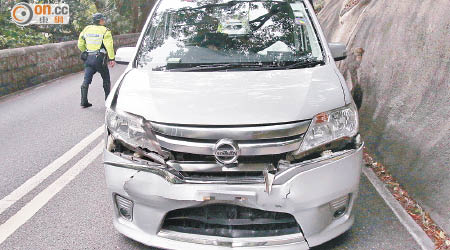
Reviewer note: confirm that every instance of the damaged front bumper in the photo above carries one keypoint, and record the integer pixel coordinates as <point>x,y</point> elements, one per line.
<point>319,194</point>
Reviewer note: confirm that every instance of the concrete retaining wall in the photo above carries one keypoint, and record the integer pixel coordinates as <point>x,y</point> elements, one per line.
<point>400,55</point>
<point>25,67</point>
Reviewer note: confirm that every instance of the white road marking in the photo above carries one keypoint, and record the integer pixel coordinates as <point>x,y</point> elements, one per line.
<point>32,207</point>
<point>411,226</point>
<point>34,181</point>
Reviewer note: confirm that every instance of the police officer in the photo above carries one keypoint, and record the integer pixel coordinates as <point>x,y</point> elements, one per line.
<point>96,41</point>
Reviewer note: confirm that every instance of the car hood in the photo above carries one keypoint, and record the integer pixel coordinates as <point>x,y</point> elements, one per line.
<point>230,98</point>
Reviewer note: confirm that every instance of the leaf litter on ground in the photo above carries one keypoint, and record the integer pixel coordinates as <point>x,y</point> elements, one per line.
<point>419,215</point>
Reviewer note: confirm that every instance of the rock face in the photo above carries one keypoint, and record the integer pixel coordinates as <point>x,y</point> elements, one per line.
<point>400,56</point>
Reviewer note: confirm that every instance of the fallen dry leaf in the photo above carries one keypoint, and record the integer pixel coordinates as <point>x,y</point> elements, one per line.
<point>420,216</point>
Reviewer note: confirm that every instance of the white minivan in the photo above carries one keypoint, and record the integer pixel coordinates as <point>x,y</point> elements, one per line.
<point>222,139</point>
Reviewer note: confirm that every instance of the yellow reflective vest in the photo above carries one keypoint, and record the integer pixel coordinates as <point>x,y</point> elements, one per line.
<point>92,37</point>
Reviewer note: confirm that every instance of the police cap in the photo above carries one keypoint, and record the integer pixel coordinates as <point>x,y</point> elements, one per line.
<point>97,17</point>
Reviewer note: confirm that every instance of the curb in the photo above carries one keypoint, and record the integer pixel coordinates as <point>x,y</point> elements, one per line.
<point>411,226</point>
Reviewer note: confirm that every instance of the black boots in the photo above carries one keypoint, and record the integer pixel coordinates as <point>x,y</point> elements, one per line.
<point>107,89</point>
<point>87,105</point>
<point>84,94</point>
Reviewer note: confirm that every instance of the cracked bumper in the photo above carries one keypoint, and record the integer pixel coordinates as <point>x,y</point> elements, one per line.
<point>305,191</point>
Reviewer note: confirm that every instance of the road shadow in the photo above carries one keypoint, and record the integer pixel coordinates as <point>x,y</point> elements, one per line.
<point>337,243</point>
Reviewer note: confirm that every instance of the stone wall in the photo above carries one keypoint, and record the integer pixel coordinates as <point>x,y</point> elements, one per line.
<point>25,67</point>
<point>400,56</point>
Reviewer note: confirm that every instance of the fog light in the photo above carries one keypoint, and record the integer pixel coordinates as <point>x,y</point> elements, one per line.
<point>339,206</point>
<point>125,207</point>
<point>340,212</point>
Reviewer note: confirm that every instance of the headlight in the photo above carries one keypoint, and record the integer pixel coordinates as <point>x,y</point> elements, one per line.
<point>130,129</point>
<point>330,126</point>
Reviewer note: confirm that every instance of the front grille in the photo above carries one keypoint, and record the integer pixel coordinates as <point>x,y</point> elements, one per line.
<point>197,143</point>
<point>231,221</point>
<point>192,149</point>
<point>273,159</point>
<point>228,177</point>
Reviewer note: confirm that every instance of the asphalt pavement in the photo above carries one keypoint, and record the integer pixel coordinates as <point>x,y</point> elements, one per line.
<point>40,125</point>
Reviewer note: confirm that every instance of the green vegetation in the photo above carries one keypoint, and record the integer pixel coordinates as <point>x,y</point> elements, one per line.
<point>122,17</point>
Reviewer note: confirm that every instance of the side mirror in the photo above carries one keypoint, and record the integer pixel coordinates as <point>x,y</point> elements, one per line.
<point>338,51</point>
<point>125,55</point>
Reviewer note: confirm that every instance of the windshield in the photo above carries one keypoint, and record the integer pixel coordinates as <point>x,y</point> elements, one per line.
<point>190,33</point>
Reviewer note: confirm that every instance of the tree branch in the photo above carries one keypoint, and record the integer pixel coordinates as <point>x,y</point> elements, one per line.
<point>145,12</point>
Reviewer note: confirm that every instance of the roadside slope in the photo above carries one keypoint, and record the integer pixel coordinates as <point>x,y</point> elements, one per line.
<point>405,74</point>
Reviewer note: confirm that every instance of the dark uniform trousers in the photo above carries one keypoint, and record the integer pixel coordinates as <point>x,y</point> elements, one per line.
<point>95,63</point>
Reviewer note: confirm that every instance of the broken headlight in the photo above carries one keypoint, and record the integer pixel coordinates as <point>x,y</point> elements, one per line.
<point>330,126</point>
<point>128,128</point>
<point>136,133</point>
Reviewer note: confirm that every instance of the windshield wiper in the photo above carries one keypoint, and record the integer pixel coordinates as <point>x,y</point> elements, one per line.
<point>258,66</point>
<point>306,63</point>
<point>249,66</point>
<point>213,67</point>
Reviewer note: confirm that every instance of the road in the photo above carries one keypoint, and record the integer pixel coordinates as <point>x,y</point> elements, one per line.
<point>41,125</point>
